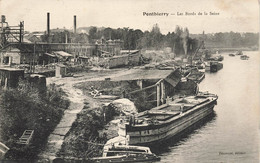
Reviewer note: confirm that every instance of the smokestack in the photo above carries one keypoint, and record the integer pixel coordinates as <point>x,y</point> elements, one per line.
<point>3,18</point>
<point>75,24</point>
<point>48,23</point>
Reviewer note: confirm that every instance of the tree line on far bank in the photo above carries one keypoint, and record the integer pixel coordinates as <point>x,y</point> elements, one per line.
<point>180,40</point>
<point>229,40</point>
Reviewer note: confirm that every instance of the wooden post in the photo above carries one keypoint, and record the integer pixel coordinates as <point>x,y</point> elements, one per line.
<point>140,83</point>
<point>34,56</point>
<point>6,80</point>
<point>158,94</point>
<point>162,92</point>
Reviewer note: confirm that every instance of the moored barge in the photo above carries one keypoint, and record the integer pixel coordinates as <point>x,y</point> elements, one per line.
<point>125,153</point>
<point>168,120</point>
<point>244,57</point>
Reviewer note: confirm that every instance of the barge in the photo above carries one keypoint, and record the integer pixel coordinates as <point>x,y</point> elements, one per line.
<point>215,66</point>
<point>239,52</point>
<point>244,57</point>
<point>168,120</point>
<point>196,75</point>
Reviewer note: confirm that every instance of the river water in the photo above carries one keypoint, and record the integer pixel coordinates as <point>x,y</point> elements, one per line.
<point>231,135</point>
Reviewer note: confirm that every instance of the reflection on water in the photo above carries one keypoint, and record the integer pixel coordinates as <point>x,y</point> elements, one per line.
<point>232,135</point>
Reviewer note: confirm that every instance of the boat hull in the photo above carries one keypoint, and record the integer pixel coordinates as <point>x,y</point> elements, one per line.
<point>127,158</point>
<point>215,66</point>
<point>151,135</point>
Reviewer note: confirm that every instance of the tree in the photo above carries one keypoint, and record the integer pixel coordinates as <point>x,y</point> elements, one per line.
<point>156,29</point>
<point>178,45</point>
<point>185,38</point>
<point>93,33</point>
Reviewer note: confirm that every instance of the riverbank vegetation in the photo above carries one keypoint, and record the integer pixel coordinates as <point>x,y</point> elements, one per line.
<point>25,108</point>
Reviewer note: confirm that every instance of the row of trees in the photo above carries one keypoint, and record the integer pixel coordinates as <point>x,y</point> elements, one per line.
<point>178,40</point>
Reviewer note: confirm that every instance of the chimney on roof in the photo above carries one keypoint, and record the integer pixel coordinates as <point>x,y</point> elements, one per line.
<point>75,24</point>
<point>48,23</point>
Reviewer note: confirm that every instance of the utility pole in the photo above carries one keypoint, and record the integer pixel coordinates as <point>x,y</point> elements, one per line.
<point>34,56</point>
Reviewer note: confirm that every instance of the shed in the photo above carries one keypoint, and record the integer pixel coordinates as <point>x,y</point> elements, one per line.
<point>155,85</point>
<point>83,59</point>
<point>60,71</point>
<point>38,81</point>
<point>63,56</point>
<point>9,77</point>
<point>49,58</point>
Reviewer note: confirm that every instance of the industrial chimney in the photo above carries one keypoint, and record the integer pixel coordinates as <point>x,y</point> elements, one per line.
<point>3,19</point>
<point>75,24</point>
<point>48,23</point>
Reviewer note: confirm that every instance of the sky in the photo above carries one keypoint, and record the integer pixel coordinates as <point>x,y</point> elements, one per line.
<point>233,15</point>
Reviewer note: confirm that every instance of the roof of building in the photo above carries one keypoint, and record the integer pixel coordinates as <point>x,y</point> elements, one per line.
<point>129,51</point>
<point>104,51</point>
<point>26,40</point>
<point>83,57</point>
<point>51,55</point>
<point>171,76</point>
<point>10,69</point>
<point>10,48</point>
<point>63,54</point>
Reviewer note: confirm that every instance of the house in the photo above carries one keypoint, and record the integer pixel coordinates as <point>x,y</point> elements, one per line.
<point>15,54</point>
<point>33,37</point>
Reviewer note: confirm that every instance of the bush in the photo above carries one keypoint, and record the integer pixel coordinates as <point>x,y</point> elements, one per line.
<point>83,139</point>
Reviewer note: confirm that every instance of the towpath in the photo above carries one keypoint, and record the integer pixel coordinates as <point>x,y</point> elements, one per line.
<point>56,138</point>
